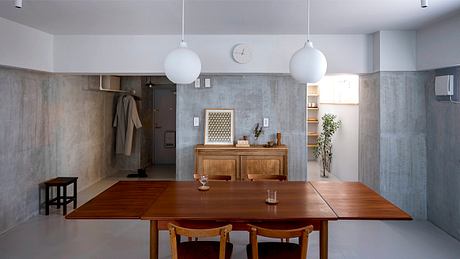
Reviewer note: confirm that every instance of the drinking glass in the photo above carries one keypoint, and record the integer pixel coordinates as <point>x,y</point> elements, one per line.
<point>271,196</point>
<point>204,180</point>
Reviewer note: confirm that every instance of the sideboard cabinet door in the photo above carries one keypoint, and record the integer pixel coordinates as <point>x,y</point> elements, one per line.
<point>272,165</point>
<point>219,165</point>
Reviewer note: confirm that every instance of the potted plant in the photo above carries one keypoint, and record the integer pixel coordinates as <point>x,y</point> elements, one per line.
<point>324,149</point>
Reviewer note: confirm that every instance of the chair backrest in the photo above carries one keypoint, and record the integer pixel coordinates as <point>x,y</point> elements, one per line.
<point>175,231</point>
<point>214,177</point>
<point>301,233</point>
<point>266,177</point>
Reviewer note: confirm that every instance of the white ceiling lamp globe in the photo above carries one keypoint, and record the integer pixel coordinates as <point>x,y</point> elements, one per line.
<point>308,65</point>
<point>182,65</point>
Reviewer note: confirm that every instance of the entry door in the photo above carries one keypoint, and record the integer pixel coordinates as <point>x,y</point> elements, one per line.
<point>165,125</point>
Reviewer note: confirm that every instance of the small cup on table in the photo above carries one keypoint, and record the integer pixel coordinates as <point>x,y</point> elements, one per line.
<point>271,197</point>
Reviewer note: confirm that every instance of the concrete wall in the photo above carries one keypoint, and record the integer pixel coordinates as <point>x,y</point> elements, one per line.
<point>392,138</point>
<point>25,47</point>
<point>51,125</point>
<point>145,54</point>
<point>402,140</point>
<point>253,97</point>
<point>369,131</point>
<point>345,143</point>
<point>437,44</point>
<point>443,149</point>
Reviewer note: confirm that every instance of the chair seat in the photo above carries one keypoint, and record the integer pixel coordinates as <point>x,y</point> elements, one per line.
<point>268,250</point>
<point>202,249</point>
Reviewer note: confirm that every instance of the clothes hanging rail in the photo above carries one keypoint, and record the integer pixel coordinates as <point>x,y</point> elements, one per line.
<point>130,92</point>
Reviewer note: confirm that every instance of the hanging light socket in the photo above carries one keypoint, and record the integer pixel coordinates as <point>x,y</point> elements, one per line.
<point>424,3</point>
<point>18,3</point>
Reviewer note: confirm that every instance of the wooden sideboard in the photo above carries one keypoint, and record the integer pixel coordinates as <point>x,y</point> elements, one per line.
<point>239,162</point>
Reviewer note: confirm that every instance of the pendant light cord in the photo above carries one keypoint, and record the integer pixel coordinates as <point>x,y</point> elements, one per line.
<point>308,20</point>
<point>183,19</point>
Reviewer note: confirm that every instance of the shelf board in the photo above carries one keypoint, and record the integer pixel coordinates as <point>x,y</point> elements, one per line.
<point>313,95</point>
<point>312,122</point>
<point>313,134</point>
<point>312,145</point>
<point>313,108</point>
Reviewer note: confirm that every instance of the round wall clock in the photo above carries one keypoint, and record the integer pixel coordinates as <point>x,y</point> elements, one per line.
<point>242,53</point>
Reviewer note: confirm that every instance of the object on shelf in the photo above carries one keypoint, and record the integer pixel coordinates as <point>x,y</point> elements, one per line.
<point>242,143</point>
<point>270,143</point>
<point>278,138</point>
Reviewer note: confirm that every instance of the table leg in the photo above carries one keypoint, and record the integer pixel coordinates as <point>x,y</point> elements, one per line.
<point>323,240</point>
<point>153,239</point>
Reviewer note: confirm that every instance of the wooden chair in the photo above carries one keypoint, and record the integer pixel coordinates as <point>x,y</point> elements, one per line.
<point>200,249</point>
<point>268,250</point>
<point>215,177</point>
<point>266,177</point>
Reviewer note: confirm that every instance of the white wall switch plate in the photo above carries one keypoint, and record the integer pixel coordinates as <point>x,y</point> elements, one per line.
<point>266,122</point>
<point>197,83</point>
<point>207,82</point>
<point>196,121</point>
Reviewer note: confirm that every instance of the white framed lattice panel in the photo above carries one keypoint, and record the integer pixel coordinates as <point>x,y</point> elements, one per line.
<point>218,127</point>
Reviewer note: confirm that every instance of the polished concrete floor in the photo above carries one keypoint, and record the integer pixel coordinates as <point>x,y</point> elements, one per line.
<point>53,237</point>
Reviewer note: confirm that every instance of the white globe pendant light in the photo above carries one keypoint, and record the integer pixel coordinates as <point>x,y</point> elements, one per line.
<point>182,65</point>
<point>308,65</point>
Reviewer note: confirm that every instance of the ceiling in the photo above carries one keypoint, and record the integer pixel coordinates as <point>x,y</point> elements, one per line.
<point>224,16</point>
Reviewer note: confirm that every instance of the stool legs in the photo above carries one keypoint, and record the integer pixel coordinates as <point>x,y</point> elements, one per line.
<point>75,194</point>
<point>47,200</point>
<point>64,204</point>
<point>61,198</point>
<point>58,197</point>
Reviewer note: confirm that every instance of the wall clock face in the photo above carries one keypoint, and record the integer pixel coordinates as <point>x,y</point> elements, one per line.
<point>242,53</point>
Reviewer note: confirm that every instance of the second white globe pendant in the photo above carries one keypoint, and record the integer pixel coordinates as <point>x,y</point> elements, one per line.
<point>182,65</point>
<point>308,65</point>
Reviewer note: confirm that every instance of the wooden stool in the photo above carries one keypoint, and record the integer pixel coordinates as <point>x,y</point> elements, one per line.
<point>64,199</point>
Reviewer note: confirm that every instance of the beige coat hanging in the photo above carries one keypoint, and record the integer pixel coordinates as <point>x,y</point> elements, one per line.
<point>126,118</point>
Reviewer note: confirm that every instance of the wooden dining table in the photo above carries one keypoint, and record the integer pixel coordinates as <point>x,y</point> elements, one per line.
<point>239,203</point>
